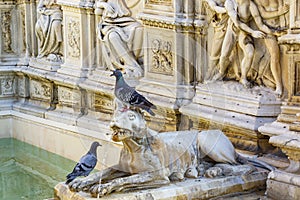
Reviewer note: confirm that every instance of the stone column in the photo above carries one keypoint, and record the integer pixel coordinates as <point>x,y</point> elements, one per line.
<point>169,58</point>
<point>78,38</point>
<point>285,131</point>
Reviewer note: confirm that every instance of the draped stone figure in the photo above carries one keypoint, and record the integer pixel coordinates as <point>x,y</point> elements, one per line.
<point>121,35</point>
<point>219,21</point>
<point>48,30</point>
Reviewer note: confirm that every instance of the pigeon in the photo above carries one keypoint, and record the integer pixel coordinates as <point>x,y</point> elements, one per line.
<point>129,96</point>
<point>86,163</point>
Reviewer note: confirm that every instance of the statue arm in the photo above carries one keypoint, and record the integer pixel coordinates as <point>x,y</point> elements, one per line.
<point>271,14</point>
<point>219,9</point>
<point>232,12</point>
<point>257,18</point>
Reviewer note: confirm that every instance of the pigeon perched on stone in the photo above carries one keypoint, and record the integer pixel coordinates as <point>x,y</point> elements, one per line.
<point>129,96</point>
<point>86,163</point>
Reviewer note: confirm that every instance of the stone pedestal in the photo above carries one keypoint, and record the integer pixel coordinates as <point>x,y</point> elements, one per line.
<point>36,94</point>
<point>169,57</point>
<point>8,89</point>
<point>79,38</point>
<point>235,110</point>
<point>204,188</point>
<point>44,65</point>
<point>282,185</point>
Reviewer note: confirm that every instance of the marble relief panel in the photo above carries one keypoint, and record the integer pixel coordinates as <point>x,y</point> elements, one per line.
<point>73,38</point>
<point>68,96</point>
<point>7,86</point>
<point>40,90</point>
<point>6,31</point>
<point>161,56</point>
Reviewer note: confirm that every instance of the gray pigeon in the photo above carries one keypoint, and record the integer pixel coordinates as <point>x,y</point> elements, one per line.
<point>129,96</point>
<point>86,163</point>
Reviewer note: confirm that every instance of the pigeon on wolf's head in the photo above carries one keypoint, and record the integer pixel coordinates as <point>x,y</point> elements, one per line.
<point>86,163</point>
<point>129,96</point>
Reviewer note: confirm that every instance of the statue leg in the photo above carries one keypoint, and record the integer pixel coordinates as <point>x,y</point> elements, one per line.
<point>219,35</point>
<point>274,51</point>
<point>227,46</point>
<point>248,49</point>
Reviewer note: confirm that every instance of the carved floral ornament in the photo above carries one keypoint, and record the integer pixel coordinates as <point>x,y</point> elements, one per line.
<point>162,58</point>
<point>73,38</point>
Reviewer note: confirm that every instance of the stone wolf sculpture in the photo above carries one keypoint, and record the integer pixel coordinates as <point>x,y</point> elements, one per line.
<point>151,159</point>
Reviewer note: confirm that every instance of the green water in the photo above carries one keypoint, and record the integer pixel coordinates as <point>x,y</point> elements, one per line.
<point>28,172</point>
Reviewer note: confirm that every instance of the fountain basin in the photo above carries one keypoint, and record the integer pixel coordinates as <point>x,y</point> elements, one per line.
<point>28,172</point>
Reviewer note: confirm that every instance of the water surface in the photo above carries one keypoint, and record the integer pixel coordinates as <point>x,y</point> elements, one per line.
<point>28,172</point>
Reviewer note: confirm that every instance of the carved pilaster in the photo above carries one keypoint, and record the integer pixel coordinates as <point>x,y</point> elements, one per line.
<point>79,36</point>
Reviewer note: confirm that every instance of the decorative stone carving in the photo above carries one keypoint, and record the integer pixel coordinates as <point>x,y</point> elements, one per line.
<point>149,158</point>
<point>121,35</point>
<point>22,13</point>
<point>103,103</point>
<point>39,90</point>
<point>162,59</point>
<point>7,86</point>
<point>48,30</point>
<point>242,31</point>
<point>6,31</point>
<point>68,97</point>
<point>73,38</point>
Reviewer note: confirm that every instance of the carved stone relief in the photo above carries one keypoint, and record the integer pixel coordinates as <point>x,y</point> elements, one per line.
<point>241,54</point>
<point>6,31</point>
<point>68,97</point>
<point>102,103</point>
<point>161,57</point>
<point>40,90</point>
<point>7,86</point>
<point>121,37</point>
<point>22,13</point>
<point>48,30</point>
<point>73,38</point>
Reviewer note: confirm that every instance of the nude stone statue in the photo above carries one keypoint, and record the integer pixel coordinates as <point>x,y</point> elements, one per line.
<point>48,30</point>
<point>239,31</point>
<point>219,21</point>
<point>121,35</point>
<point>270,10</point>
<point>150,159</point>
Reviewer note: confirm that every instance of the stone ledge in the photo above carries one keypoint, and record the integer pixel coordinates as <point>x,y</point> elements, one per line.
<point>203,188</point>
